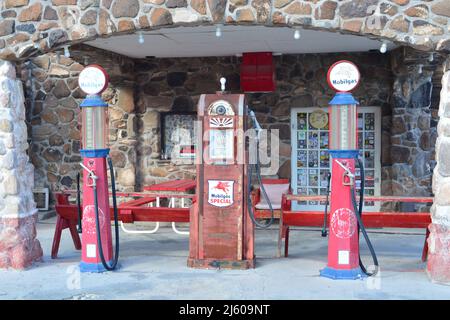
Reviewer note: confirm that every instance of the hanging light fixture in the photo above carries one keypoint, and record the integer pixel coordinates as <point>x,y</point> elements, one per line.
<point>66,52</point>
<point>383,47</point>
<point>218,31</point>
<point>297,34</point>
<point>141,39</point>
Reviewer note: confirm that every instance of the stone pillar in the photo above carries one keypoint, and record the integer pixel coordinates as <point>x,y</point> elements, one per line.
<point>438,267</point>
<point>412,156</point>
<point>19,247</point>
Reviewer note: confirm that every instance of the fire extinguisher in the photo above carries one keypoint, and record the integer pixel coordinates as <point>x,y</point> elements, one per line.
<point>93,177</point>
<point>257,167</point>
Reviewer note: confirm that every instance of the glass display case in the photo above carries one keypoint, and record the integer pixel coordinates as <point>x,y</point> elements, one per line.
<point>310,158</point>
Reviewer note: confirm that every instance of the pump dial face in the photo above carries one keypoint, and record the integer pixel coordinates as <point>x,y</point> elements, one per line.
<point>220,108</point>
<point>318,119</point>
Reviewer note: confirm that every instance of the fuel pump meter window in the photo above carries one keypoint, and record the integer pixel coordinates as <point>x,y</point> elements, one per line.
<point>95,128</point>
<point>221,144</point>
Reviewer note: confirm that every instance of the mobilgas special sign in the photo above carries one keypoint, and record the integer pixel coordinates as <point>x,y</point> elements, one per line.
<point>220,193</point>
<point>343,76</point>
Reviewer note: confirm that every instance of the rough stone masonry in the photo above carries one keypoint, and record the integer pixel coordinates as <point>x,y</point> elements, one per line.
<point>29,27</point>
<point>439,242</point>
<point>18,244</point>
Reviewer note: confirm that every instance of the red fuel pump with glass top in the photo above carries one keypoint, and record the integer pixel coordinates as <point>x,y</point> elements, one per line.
<point>97,253</point>
<point>345,220</point>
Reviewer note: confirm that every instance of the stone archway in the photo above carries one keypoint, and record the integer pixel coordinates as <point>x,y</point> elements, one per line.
<point>30,28</point>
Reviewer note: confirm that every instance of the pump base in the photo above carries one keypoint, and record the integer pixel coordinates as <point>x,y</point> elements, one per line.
<point>93,267</point>
<point>342,274</point>
<point>221,264</point>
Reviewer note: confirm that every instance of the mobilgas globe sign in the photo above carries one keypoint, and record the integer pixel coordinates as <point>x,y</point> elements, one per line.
<point>343,76</point>
<point>93,79</point>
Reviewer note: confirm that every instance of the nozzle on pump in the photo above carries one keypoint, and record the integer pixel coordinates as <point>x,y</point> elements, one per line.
<point>256,124</point>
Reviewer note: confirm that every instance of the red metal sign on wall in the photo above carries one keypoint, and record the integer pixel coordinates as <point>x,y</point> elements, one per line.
<point>257,72</point>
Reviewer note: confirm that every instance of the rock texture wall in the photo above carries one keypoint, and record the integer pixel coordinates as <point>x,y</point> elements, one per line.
<point>164,85</point>
<point>142,89</point>
<point>29,27</point>
<point>53,99</point>
<point>439,240</point>
<point>18,244</point>
<point>412,136</point>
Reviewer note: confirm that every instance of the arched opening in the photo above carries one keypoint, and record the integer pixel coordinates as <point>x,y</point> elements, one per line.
<point>164,75</point>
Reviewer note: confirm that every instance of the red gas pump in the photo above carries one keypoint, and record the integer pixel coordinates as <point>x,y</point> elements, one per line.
<point>221,221</point>
<point>345,215</point>
<point>97,253</point>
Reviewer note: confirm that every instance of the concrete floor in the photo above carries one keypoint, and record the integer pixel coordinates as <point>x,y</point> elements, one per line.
<point>154,267</point>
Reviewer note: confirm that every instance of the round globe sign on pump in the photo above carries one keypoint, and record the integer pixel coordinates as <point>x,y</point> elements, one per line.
<point>93,79</point>
<point>343,76</point>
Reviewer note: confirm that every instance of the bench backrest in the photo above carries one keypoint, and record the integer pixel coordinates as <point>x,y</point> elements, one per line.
<point>62,198</point>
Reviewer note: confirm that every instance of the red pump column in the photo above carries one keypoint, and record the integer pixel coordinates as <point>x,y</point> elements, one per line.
<point>343,242</point>
<point>95,180</point>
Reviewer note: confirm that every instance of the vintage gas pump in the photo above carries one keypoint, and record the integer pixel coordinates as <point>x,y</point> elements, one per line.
<point>97,255</point>
<point>345,215</point>
<point>221,232</point>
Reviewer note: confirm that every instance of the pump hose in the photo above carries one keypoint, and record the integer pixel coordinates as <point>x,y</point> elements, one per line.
<point>324,227</point>
<point>261,185</point>
<point>358,214</point>
<point>263,191</point>
<point>116,222</point>
<point>79,227</point>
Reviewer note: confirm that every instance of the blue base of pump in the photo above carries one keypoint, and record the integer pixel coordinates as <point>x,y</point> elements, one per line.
<point>344,154</point>
<point>97,153</point>
<point>342,274</point>
<point>93,267</point>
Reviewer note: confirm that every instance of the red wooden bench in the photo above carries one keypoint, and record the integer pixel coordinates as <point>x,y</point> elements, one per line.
<point>256,199</point>
<point>128,212</point>
<point>371,219</point>
<point>64,222</point>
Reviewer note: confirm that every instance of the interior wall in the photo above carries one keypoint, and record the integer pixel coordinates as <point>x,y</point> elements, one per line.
<point>141,89</point>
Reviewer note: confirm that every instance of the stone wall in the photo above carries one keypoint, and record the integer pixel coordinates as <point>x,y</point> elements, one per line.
<point>173,85</point>
<point>53,99</point>
<point>412,137</point>
<point>176,84</point>
<point>141,89</point>
<point>31,27</point>
<point>439,240</point>
<point>18,244</point>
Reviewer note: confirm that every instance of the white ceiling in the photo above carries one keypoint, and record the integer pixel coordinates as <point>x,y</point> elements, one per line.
<point>201,41</point>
